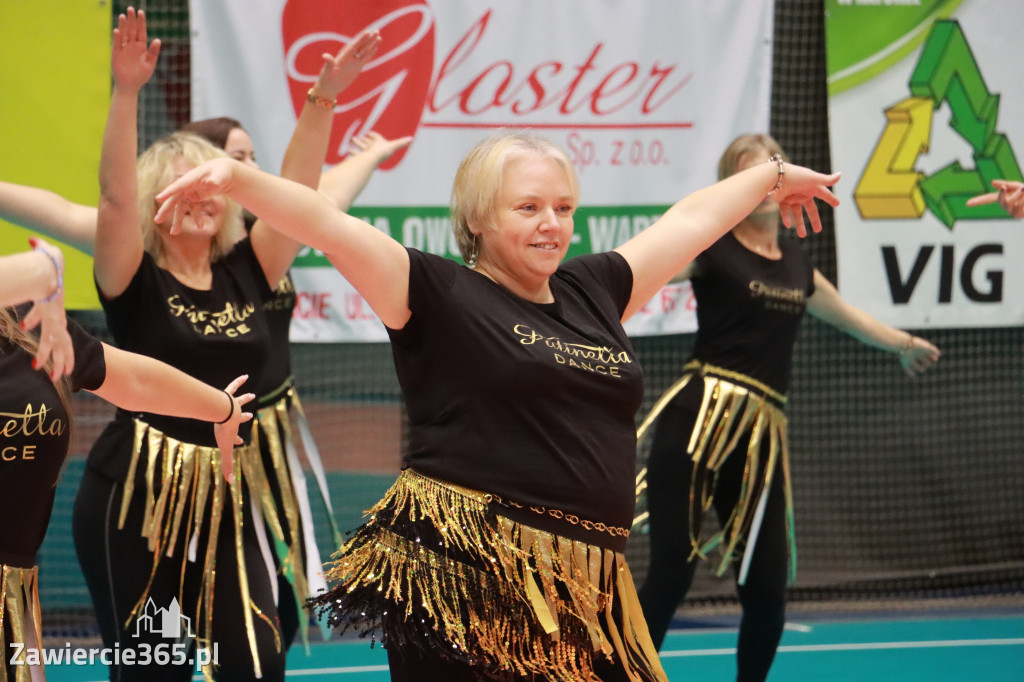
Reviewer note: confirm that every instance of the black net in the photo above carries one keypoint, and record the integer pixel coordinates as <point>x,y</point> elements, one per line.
<point>907,491</point>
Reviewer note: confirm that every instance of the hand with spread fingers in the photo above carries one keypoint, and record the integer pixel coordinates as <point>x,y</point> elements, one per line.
<point>226,431</point>
<point>1009,194</point>
<point>48,314</point>
<point>339,70</point>
<point>132,60</point>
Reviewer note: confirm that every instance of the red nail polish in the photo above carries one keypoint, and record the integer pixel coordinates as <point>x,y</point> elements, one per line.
<point>35,364</point>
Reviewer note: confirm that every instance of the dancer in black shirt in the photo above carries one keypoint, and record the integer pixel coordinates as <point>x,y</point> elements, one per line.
<point>721,439</point>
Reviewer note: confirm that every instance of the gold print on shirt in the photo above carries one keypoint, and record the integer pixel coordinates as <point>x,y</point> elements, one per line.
<point>784,300</point>
<point>230,321</point>
<point>27,424</point>
<point>595,359</point>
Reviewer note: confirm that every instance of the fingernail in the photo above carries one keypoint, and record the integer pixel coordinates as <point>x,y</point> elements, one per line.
<point>35,364</point>
<point>32,241</point>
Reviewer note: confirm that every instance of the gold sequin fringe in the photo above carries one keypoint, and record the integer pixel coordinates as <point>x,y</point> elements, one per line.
<point>19,609</point>
<point>440,570</point>
<point>733,405</point>
<point>193,493</point>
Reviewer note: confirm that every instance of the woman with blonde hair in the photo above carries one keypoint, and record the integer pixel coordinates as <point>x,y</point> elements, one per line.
<point>39,371</point>
<point>721,434</point>
<point>498,552</point>
<point>196,299</point>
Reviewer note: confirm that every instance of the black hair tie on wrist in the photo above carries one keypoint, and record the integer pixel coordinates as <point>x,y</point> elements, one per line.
<point>231,412</point>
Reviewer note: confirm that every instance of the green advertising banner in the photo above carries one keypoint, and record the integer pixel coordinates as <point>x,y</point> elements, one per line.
<point>926,110</point>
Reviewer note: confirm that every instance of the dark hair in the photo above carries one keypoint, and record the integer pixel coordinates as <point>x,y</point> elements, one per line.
<point>216,130</point>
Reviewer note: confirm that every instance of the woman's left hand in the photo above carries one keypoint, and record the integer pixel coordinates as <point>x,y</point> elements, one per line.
<point>918,356</point>
<point>200,183</point>
<point>800,187</point>
<point>226,433</point>
<point>341,69</point>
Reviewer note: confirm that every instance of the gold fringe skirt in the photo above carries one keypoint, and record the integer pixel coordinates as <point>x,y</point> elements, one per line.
<point>186,496</point>
<point>733,406</point>
<point>436,568</point>
<point>19,611</point>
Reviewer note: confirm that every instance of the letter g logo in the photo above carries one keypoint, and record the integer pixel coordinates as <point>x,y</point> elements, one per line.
<point>390,94</point>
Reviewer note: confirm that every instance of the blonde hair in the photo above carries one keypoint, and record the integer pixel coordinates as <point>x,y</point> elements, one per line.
<point>10,328</point>
<point>478,180</point>
<point>751,143</point>
<point>156,170</point>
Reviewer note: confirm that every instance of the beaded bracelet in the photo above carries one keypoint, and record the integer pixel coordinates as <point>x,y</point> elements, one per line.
<point>319,100</point>
<point>777,158</point>
<point>60,275</point>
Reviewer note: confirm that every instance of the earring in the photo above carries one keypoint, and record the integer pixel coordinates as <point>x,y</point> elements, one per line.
<point>474,254</point>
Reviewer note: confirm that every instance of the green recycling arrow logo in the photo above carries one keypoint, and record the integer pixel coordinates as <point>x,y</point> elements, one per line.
<point>890,187</point>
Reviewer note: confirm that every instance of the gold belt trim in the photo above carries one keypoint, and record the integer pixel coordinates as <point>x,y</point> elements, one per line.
<point>19,609</point>
<point>559,514</point>
<point>730,410</point>
<point>193,493</point>
<point>511,606</point>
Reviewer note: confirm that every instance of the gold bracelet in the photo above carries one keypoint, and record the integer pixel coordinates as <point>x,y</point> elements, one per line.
<point>777,158</point>
<point>316,99</point>
<point>908,346</point>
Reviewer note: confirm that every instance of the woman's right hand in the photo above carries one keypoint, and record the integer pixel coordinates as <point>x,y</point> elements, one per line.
<point>199,184</point>
<point>54,339</point>
<point>131,61</point>
<point>800,187</point>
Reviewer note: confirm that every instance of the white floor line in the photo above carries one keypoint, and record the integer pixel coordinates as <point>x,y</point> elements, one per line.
<point>860,646</point>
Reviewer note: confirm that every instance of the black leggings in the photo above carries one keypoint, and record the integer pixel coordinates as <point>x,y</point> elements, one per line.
<point>763,596</point>
<point>116,565</point>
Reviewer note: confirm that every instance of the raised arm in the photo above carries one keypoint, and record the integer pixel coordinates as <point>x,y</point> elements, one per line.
<point>139,383</point>
<point>50,214</point>
<point>375,264</point>
<point>343,183</point>
<point>119,245</point>
<point>915,354</point>
<point>658,253</point>
<point>304,158</point>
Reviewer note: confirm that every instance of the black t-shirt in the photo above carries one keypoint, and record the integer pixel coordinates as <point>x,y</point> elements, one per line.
<point>34,440</point>
<point>534,402</point>
<point>214,335</point>
<point>749,308</point>
<point>278,310</point>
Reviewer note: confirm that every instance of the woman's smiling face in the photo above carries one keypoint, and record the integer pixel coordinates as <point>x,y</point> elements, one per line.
<point>533,225</point>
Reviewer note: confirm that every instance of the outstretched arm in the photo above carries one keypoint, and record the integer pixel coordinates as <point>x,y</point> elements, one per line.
<point>139,383</point>
<point>119,245</point>
<point>375,264</point>
<point>915,354</point>
<point>304,158</point>
<point>694,223</point>
<point>50,214</point>
<point>343,183</point>
<point>1010,196</point>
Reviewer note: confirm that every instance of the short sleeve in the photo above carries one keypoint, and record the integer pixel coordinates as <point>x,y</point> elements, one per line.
<point>607,271</point>
<point>90,363</point>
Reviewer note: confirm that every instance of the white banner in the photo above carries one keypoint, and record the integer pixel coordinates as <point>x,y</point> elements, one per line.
<point>924,115</point>
<point>644,96</point>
